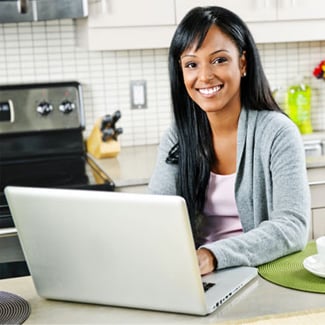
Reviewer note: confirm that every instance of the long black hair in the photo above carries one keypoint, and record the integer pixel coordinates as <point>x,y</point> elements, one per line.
<point>194,153</point>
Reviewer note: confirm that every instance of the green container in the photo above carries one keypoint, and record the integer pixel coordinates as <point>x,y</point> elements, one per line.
<point>298,104</point>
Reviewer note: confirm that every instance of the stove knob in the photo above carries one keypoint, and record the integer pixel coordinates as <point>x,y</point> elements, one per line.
<point>67,107</point>
<point>44,108</point>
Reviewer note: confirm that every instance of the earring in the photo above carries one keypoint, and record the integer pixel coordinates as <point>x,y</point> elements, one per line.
<point>244,74</point>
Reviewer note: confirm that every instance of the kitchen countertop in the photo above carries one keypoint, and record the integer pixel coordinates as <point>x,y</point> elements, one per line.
<point>133,166</point>
<point>317,135</point>
<point>258,299</point>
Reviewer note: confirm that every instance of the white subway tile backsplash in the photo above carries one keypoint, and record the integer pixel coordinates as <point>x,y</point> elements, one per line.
<point>46,51</point>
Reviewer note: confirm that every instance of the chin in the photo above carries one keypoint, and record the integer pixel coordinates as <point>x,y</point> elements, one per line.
<point>209,109</point>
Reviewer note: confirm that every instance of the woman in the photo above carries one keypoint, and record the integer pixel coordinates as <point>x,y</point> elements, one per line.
<point>234,156</point>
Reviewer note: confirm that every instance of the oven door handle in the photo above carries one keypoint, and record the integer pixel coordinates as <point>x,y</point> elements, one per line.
<point>8,231</point>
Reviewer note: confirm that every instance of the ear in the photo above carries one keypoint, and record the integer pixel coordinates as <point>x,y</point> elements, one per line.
<point>243,64</point>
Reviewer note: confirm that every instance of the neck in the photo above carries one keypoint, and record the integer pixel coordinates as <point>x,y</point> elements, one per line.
<point>224,122</point>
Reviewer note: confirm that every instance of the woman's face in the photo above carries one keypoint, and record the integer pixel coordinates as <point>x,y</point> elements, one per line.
<point>212,74</point>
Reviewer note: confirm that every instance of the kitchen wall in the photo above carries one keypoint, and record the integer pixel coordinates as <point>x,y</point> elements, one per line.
<point>47,51</point>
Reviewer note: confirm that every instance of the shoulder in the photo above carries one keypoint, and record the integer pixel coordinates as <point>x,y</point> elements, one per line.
<point>272,124</point>
<point>271,132</point>
<point>272,118</point>
<point>275,118</point>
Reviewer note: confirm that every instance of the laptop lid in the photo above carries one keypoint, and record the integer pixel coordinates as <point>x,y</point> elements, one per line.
<point>120,249</point>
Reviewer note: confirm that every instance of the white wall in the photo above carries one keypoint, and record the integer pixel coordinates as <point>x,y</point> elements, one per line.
<point>46,51</point>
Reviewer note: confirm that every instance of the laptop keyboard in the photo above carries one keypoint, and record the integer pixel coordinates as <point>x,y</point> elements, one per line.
<point>207,285</point>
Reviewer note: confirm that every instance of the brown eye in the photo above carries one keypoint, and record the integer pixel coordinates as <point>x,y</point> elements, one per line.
<point>190,65</point>
<point>219,60</point>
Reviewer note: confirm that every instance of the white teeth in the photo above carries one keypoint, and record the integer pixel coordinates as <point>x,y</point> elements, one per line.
<point>209,91</point>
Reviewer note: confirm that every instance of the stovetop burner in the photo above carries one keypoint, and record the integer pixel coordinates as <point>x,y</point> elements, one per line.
<point>89,177</point>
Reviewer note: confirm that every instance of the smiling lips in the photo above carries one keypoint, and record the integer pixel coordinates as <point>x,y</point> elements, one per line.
<point>210,91</point>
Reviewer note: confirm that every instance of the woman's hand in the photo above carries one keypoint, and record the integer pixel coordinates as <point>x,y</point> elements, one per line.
<point>207,261</point>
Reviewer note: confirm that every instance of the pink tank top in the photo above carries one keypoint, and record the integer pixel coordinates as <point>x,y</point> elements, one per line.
<point>220,214</point>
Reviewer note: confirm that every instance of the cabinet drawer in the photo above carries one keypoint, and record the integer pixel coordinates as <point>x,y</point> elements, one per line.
<point>318,216</point>
<point>316,175</point>
<point>317,190</point>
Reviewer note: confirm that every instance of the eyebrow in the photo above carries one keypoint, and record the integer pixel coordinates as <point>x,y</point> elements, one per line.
<point>213,53</point>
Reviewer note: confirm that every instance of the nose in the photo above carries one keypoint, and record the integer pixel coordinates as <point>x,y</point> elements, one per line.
<point>206,73</point>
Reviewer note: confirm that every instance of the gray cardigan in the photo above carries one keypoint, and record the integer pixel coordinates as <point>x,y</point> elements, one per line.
<point>271,189</point>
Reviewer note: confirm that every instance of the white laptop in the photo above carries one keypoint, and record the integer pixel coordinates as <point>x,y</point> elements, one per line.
<point>118,249</point>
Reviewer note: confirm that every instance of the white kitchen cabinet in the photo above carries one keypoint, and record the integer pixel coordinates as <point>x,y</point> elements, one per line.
<point>123,13</point>
<point>318,217</point>
<point>316,177</point>
<point>271,21</point>
<point>299,9</point>
<point>142,24</point>
<point>260,10</point>
<point>317,190</point>
<point>248,10</point>
<point>125,24</point>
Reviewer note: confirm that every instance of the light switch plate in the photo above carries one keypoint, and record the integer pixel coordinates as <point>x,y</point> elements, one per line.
<point>138,90</point>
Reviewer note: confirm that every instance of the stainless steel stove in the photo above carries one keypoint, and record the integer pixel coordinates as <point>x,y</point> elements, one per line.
<point>41,141</point>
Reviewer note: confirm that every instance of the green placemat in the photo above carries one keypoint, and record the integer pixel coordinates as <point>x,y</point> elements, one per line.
<point>289,272</point>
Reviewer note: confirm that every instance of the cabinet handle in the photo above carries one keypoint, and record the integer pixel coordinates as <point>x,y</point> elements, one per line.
<point>106,6</point>
<point>317,183</point>
<point>286,4</point>
<point>263,4</point>
<point>8,231</point>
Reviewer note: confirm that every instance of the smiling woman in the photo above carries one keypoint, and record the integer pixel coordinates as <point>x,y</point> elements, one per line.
<point>207,70</point>
<point>234,156</point>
